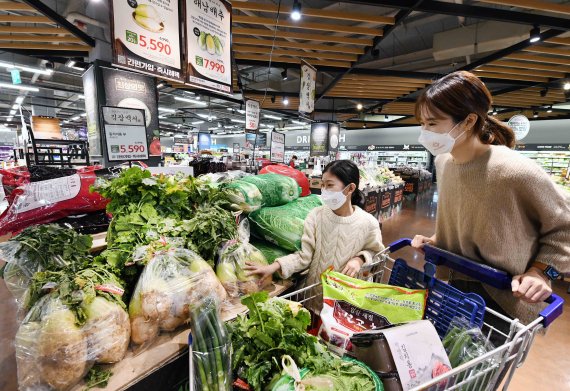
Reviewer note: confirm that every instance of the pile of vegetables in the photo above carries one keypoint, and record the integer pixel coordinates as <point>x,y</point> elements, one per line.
<point>275,189</point>
<point>173,279</point>
<point>244,196</point>
<point>272,329</point>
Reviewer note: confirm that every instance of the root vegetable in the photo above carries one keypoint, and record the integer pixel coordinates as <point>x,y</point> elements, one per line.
<point>143,330</point>
<point>171,323</point>
<point>156,305</point>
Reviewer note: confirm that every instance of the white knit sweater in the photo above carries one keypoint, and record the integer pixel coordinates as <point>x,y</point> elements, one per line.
<point>331,240</point>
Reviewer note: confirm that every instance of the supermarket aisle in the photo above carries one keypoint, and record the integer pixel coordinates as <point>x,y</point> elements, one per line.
<point>540,370</point>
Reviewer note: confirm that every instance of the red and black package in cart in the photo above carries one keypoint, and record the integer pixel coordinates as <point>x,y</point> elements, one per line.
<point>45,201</point>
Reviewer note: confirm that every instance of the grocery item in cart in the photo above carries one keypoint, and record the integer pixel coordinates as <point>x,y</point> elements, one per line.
<point>413,350</point>
<point>351,305</point>
<point>172,280</point>
<point>284,225</point>
<point>276,190</point>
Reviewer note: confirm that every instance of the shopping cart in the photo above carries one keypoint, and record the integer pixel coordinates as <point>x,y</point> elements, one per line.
<point>486,372</point>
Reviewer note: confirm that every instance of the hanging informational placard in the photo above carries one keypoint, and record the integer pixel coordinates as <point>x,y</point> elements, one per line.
<point>308,88</point>
<point>251,115</point>
<point>236,147</point>
<point>146,37</point>
<point>204,141</point>
<point>334,137</point>
<point>125,133</point>
<point>208,45</point>
<point>520,125</point>
<point>277,147</point>
<point>319,139</point>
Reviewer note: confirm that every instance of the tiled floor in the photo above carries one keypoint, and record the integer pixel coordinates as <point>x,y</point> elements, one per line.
<point>546,368</point>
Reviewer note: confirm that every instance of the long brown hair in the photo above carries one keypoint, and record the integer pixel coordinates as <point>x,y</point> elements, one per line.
<point>460,94</point>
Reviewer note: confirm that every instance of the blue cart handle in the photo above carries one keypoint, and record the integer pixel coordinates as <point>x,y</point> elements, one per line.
<point>483,273</point>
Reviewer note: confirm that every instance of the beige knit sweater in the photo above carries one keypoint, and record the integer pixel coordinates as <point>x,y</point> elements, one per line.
<point>503,210</point>
<point>331,240</point>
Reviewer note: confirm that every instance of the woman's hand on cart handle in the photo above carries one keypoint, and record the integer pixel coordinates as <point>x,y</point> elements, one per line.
<point>531,286</point>
<point>420,241</point>
<point>352,267</point>
<point>264,272</point>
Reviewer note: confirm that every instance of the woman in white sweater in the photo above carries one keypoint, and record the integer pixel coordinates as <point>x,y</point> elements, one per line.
<point>339,234</point>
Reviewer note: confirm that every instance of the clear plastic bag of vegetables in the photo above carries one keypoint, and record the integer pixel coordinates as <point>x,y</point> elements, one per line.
<point>284,225</point>
<point>233,257</point>
<point>171,281</point>
<point>276,190</point>
<point>244,196</point>
<point>211,349</point>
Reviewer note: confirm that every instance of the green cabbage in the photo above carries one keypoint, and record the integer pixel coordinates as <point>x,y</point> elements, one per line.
<point>275,189</point>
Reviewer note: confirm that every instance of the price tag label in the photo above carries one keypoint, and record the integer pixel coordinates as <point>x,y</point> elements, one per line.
<point>125,134</point>
<point>122,116</point>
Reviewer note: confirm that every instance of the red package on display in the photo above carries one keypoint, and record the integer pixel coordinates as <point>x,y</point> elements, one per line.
<point>49,200</point>
<point>297,175</point>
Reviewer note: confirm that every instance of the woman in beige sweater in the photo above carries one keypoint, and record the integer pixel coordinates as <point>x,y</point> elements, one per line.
<point>495,206</point>
<point>339,234</point>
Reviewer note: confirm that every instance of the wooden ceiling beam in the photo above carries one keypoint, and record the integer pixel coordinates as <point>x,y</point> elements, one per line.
<point>33,30</point>
<point>545,50</point>
<point>39,38</point>
<point>534,5</point>
<point>513,77</point>
<point>289,60</point>
<point>367,78</point>
<point>297,45</point>
<point>521,71</point>
<point>13,6</point>
<point>314,12</point>
<point>302,36</point>
<point>542,59</point>
<point>40,46</point>
<point>530,65</point>
<point>558,41</point>
<point>296,53</point>
<point>369,88</point>
<point>25,19</point>
<point>336,28</point>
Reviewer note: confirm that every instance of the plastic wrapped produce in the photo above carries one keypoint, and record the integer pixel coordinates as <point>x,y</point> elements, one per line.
<point>276,190</point>
<point>283,225</point>
<point>244,196</point>
<point>172,279</point>
<point>270,251</point>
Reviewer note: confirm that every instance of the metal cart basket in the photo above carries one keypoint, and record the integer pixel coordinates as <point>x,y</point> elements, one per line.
<point>486,372</point>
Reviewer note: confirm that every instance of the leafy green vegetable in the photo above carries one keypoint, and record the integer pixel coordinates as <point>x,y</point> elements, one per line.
<point>272,328</point>
<point>97,377</point>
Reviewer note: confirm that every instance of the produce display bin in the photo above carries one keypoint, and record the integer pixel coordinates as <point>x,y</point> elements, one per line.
<point>371,197</point>
<point>446,302</point>
<point>385,203</point>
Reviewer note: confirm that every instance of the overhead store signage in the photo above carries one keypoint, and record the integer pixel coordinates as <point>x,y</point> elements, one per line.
<point>277,147</point>
<point>319,139</point>
<point>251,115</point>
<point>542,147</point>
<point>204,141</point>
<point>146,37</point>
<point>208,45</point>
<point>308,88</point>
<point>236,147</point>
<point>125,133</point>
<point>16,79</point>
<point>520,125</point>
<point>334,137</point>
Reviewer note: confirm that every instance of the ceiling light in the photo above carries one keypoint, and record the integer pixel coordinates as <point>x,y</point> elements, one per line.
<point>495,112</point>
<point>230,109</point>
<point>70,63</point>
<point>19,87</point>
<point>161,84</point>
<point>75,118</point>
<point>10,118</point>
<point>359,106</point>
<point>535,115</point>
<point>567,86</point>
<point>196,102</point>
<point>81,96</point>
<point>12,112</point>
<point>285,100</point>
<point>549,109</point>
<point>20,100</point>
<point>535,34</point>
<point>83,115</point>
<point>272,117</point>
<point>298,122</point>
<point>296,10</point>
<point>197,122</point>
<point>284,74</point>
<point>15,106</point>
<point>208,117</point>
<point>166,110</point>
<point>41,71</point>
<point>364,126</point>
<point>219,124</point>
<point>238,121</point>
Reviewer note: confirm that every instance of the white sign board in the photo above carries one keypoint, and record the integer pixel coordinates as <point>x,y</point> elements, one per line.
<point>208,44</point>
<point>520,125</point>
<point>251,114</point>
<point>146,37</point>
<point>308,88</point>
<point>125,133</point>
<point>277,147</point>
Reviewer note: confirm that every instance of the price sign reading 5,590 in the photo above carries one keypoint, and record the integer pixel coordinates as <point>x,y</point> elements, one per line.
<point>154,45</point>
<point>131,148</point>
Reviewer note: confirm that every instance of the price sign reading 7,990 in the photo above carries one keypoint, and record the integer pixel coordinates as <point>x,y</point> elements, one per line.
<point>125,134</point>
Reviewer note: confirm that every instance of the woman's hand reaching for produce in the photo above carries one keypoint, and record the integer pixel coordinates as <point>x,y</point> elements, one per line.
<point>353,267</point>
<point>420,241</point>
<point>531,287</point>
<point>264,272</point>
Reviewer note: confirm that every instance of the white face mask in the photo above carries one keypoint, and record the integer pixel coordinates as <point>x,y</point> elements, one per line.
<point>438,143</point>
<point>333,199</point>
